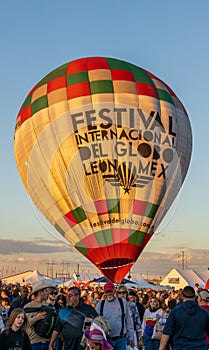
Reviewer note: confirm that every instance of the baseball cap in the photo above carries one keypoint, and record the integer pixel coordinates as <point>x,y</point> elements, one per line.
<point>204,294</point>
<point>109,287</point>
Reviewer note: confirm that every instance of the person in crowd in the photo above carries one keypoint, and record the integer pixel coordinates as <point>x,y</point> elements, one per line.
<point>84,297</point>
<point>187,323</point>
<point>116,311</point>
<point>96,340</point>
<point>52,294</point>
<point>5,307</point>
<point>151,315</point>
<point>60,302</point>
<point>132,298</point>
<point>203,301</point>
<point>40,294</point>
<point>97,295</point>
<point>140,295</point>
<point>196,288</point>
<point>122,291</point>
<point>15,336</point>
<point>145,301</point>
<point>21,300</point>
<point>91,298</point>
<point>179,296</point>
<point>15,293</point>
<point>2,326</point>
<point>171,304</point>
<point>71,319</point>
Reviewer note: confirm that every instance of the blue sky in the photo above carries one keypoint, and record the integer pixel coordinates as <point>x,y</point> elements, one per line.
<point>171,41</point>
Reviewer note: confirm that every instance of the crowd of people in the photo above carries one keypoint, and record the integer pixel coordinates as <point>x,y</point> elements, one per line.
<point>103,318</point>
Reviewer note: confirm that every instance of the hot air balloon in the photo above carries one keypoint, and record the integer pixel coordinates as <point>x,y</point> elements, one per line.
<point>102,147</point>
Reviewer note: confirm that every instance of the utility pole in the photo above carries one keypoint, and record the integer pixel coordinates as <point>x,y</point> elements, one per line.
<point>182,260</point>
<point>65,271</point>
<point>50,269</point>
<point>77,273</point>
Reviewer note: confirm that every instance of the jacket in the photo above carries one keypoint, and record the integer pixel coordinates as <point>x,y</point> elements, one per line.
<point>188,323</point>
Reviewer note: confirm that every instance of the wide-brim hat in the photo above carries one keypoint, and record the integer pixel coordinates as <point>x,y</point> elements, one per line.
<point>96,336</point>
<point>188,292</point>
<point>40,286</point>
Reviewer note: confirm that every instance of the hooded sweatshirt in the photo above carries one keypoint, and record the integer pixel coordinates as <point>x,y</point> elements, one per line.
<point>188,323</point>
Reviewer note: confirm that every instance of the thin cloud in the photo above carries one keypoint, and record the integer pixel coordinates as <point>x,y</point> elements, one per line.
<point>9,246</point>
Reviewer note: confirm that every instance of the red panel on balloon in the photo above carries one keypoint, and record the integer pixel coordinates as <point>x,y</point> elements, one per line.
<point>114,259</point>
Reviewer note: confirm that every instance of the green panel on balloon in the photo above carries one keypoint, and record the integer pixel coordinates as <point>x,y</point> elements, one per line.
<point>82,248</point>
<point>39,104</point>
<point>59,72</point>
<point>79,214</point>
<point>139,75</point>
<point>101,87</point>
<point>104,237</point>
<point>58,228</point>
<point>27,102</point>
<point>76,78</point>
<point>113,205</point>
<point>116,64</point>
<point>165,96</point>
<point>151,210</point>
<point>136,237</point>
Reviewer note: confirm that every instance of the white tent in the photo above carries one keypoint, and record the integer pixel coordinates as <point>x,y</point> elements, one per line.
<point>17,278</point>
<point>34,277</point>
<point>142,283</point>
<point>30,277</point>
<point>67,283</point>
<point>181,278</point>
<point>52,281</point>
<point>85,276</point>
<point>131,285</point>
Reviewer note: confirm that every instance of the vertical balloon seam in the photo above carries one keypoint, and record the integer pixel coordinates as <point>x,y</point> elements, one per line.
<point>91,181</point>
<point>124,247</point>
<point>50,127</point>
<point>93,231</point>
<point>107,247</point>
<point>127,246</point>
<point>162,193</point>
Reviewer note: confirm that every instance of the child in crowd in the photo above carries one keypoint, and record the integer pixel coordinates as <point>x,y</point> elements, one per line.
<point>96,340</point>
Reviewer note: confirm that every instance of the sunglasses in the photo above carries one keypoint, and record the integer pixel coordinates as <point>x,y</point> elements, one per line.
<point>53,293</point>
<point>121,292</point>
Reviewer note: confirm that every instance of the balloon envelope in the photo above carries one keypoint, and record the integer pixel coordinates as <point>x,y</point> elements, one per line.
<point>102,147</point>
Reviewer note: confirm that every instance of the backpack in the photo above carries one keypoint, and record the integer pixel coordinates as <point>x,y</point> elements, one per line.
<point>122,310</point>
<point>44,328</point>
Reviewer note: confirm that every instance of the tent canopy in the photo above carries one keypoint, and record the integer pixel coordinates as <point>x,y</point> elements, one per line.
<point>36,276</point>
<point>104,280</point>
